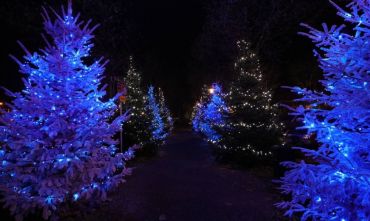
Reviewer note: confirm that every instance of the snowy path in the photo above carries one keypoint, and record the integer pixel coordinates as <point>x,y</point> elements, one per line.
<point>184,184</point>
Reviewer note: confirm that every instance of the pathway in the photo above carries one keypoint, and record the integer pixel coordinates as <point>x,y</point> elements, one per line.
<point>185,184</point>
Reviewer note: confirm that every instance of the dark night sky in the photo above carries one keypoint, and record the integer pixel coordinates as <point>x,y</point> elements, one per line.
<point>178,44</point>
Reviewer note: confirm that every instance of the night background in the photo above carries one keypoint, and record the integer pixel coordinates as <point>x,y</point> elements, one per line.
<point>181,45</point>
<point>222,110</point>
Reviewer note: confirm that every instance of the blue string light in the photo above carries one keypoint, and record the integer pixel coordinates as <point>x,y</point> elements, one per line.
<point>158,131</point>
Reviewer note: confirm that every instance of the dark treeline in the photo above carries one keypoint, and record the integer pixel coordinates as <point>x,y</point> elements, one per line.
<point>180,45</point>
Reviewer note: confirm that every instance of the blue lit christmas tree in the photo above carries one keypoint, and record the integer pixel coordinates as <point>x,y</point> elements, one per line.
<point>157,125</point>
<point>213,114</point>
<point>57,144</point>
<point>197,114</point>
<point>335,183</point>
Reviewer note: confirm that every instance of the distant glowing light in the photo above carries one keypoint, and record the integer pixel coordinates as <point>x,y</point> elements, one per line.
<point>76,196</point>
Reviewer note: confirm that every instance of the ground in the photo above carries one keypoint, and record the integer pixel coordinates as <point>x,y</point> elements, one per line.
<point>184,183</point>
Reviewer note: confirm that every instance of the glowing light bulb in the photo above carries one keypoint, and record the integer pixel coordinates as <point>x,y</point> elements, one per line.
<point>211,90</point>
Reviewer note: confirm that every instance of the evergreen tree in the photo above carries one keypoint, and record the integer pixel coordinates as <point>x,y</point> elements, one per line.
<point>214,115</point>
<point>210,115</point>
<point>165,112</point>
<point>334,183</point>
<point>57,144</point>
<point>197,114</point>
<point>157,125</point>
<point>253,125</point>
<point>136,129</point>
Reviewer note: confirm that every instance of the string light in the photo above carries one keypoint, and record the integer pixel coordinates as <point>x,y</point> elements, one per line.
<point>136,130</point>
<point>158,128</point>
<point>143,128</point>
<point>250,120</point>
<point>165,113</point>
<point>211,115</point>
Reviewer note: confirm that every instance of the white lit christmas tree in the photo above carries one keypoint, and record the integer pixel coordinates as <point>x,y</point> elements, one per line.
<point>137,128</point>
<point>334,184</point>
<point>253,124</point>
<point>165,112</point>
<point>57,145</point>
